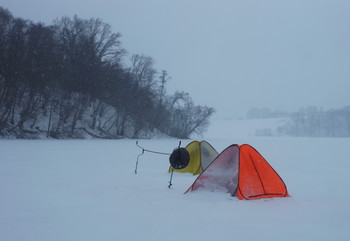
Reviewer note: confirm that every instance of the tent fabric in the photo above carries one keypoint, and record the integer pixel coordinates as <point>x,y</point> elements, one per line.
<point>201,155</point>
<point>242,172</point>
<point>207,154</point>
<point>222,174</point>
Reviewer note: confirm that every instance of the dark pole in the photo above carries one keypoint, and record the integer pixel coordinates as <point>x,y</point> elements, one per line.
<point>172,169</point>
<point>171,177</point>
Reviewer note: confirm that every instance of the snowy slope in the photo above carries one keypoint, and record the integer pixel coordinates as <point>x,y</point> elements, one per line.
<point>86,190</point>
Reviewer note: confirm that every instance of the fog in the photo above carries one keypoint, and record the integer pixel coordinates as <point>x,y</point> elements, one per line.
<point>230,55</point>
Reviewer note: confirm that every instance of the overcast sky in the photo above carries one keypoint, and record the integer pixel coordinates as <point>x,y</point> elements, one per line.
<point>231,55</point>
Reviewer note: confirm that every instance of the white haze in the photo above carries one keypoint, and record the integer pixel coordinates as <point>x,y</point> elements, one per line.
<point>231,55</point>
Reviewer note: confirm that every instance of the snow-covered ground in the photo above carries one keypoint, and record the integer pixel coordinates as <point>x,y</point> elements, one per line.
<point>82,190</point>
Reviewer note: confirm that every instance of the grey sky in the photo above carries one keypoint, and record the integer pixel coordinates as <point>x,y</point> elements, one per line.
<point>231,55</point>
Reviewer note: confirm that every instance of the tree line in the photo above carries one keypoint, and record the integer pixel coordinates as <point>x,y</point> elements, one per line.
<point>68,80</point>
<point>313,122</point>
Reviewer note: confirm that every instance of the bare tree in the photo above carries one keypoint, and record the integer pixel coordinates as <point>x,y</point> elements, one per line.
<point>142,71</point>
<point>185,118</point>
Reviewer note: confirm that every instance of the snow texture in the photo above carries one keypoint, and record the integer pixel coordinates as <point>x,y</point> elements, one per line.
<point>86,190</point>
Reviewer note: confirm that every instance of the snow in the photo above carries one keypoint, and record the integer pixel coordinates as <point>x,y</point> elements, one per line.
<point>72,190</point>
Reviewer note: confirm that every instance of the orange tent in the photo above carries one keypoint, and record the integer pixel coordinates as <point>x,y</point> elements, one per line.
<point>243,172</point>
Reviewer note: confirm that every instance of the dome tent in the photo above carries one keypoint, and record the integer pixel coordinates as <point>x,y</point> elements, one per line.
<point>201,155</point>
<point>243,172</point>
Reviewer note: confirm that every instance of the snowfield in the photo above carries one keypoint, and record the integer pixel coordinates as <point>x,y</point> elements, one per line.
<point>86,190</point>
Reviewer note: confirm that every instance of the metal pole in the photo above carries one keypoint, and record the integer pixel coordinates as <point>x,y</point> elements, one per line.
<point>143,152</point>
<point>172,170</point>
<point>137,160</point>
<point>171,178</point>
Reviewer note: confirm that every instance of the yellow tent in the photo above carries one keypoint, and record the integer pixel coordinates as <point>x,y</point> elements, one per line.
<point>201,155</point>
